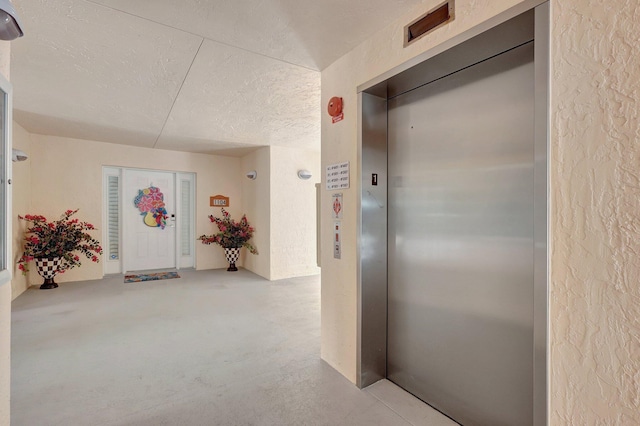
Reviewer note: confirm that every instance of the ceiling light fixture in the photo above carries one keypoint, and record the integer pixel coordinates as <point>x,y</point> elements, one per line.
<point>9,22</point>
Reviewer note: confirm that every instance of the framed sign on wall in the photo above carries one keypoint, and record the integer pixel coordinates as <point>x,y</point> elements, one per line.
<point>219,201</point>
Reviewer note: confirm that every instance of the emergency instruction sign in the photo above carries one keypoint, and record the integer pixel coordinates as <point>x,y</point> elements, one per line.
<point>336,206</point>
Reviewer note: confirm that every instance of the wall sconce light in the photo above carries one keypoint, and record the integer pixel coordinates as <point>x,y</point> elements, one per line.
<point>9,25</point>
<point>252,175</point>
<point>304,174</point>
<point>17,155</point>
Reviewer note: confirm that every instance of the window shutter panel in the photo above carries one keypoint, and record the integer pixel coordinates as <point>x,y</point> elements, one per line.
<point>185,219</point>
<point>113,220</point>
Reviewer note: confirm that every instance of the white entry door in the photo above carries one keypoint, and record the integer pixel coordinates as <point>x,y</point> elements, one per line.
<point>149,243</point>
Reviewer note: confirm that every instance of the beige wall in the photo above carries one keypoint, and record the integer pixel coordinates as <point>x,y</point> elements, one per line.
<point>595,176</point>
<point>21,204</point>
<point>5,352</point>
<point>67,174</point>
<point>293,212</point>
<point>5,59</point>
<point>256,195</point>
<point>283,210</point>
<point>5,296</point>
<point>64,173</point>
<point>595,370</point>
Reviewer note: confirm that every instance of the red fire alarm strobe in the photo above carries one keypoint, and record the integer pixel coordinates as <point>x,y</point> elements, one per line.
<point>335,109</point>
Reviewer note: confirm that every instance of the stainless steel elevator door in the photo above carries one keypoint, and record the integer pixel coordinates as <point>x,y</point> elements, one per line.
<point>460,241</point>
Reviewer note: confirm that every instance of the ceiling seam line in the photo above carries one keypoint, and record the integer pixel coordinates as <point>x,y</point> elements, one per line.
<point>260,54</point>
<point>201,36</point>
<point>186,75</point>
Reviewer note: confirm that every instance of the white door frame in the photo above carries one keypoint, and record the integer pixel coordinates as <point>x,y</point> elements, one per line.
<point>6,265</point>
<point>114,250</point>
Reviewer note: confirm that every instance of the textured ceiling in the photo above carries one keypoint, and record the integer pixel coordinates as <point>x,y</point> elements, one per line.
<point>211,76</point>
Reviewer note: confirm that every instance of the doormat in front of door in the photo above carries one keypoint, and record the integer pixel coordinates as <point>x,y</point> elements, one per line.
<point>136,278</point>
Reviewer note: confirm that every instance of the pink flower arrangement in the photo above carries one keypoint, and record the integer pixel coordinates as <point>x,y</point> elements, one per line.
<point>60,238</point>
<point>151,200</point>
<point>231,234</point>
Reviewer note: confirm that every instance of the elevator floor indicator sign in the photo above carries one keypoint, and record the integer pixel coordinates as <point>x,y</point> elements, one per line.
<point>338,176</point>
<point>337,206</point>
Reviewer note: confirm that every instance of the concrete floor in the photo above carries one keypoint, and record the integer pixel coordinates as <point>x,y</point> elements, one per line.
<point>210,348</point>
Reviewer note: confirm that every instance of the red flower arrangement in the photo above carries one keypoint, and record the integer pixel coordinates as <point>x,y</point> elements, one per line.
<point>60,238</point>
<point>231,234</point>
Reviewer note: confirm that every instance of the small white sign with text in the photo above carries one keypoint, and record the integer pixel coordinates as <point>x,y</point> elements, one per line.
<point>338,176</point>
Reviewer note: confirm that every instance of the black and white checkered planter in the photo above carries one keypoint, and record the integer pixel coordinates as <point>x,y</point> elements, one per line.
<point>47,269</point>
<point>232,255</point>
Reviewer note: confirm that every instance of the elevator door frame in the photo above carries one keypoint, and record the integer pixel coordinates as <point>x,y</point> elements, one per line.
<point>481,42</point>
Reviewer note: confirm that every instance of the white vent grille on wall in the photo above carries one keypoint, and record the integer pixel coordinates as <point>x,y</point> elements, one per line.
<point>113,219</point>
<point>185,217</point>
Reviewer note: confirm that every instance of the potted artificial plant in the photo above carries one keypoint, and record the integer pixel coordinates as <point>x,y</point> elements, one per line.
<point>231,236</point>
<point>54,246</point>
